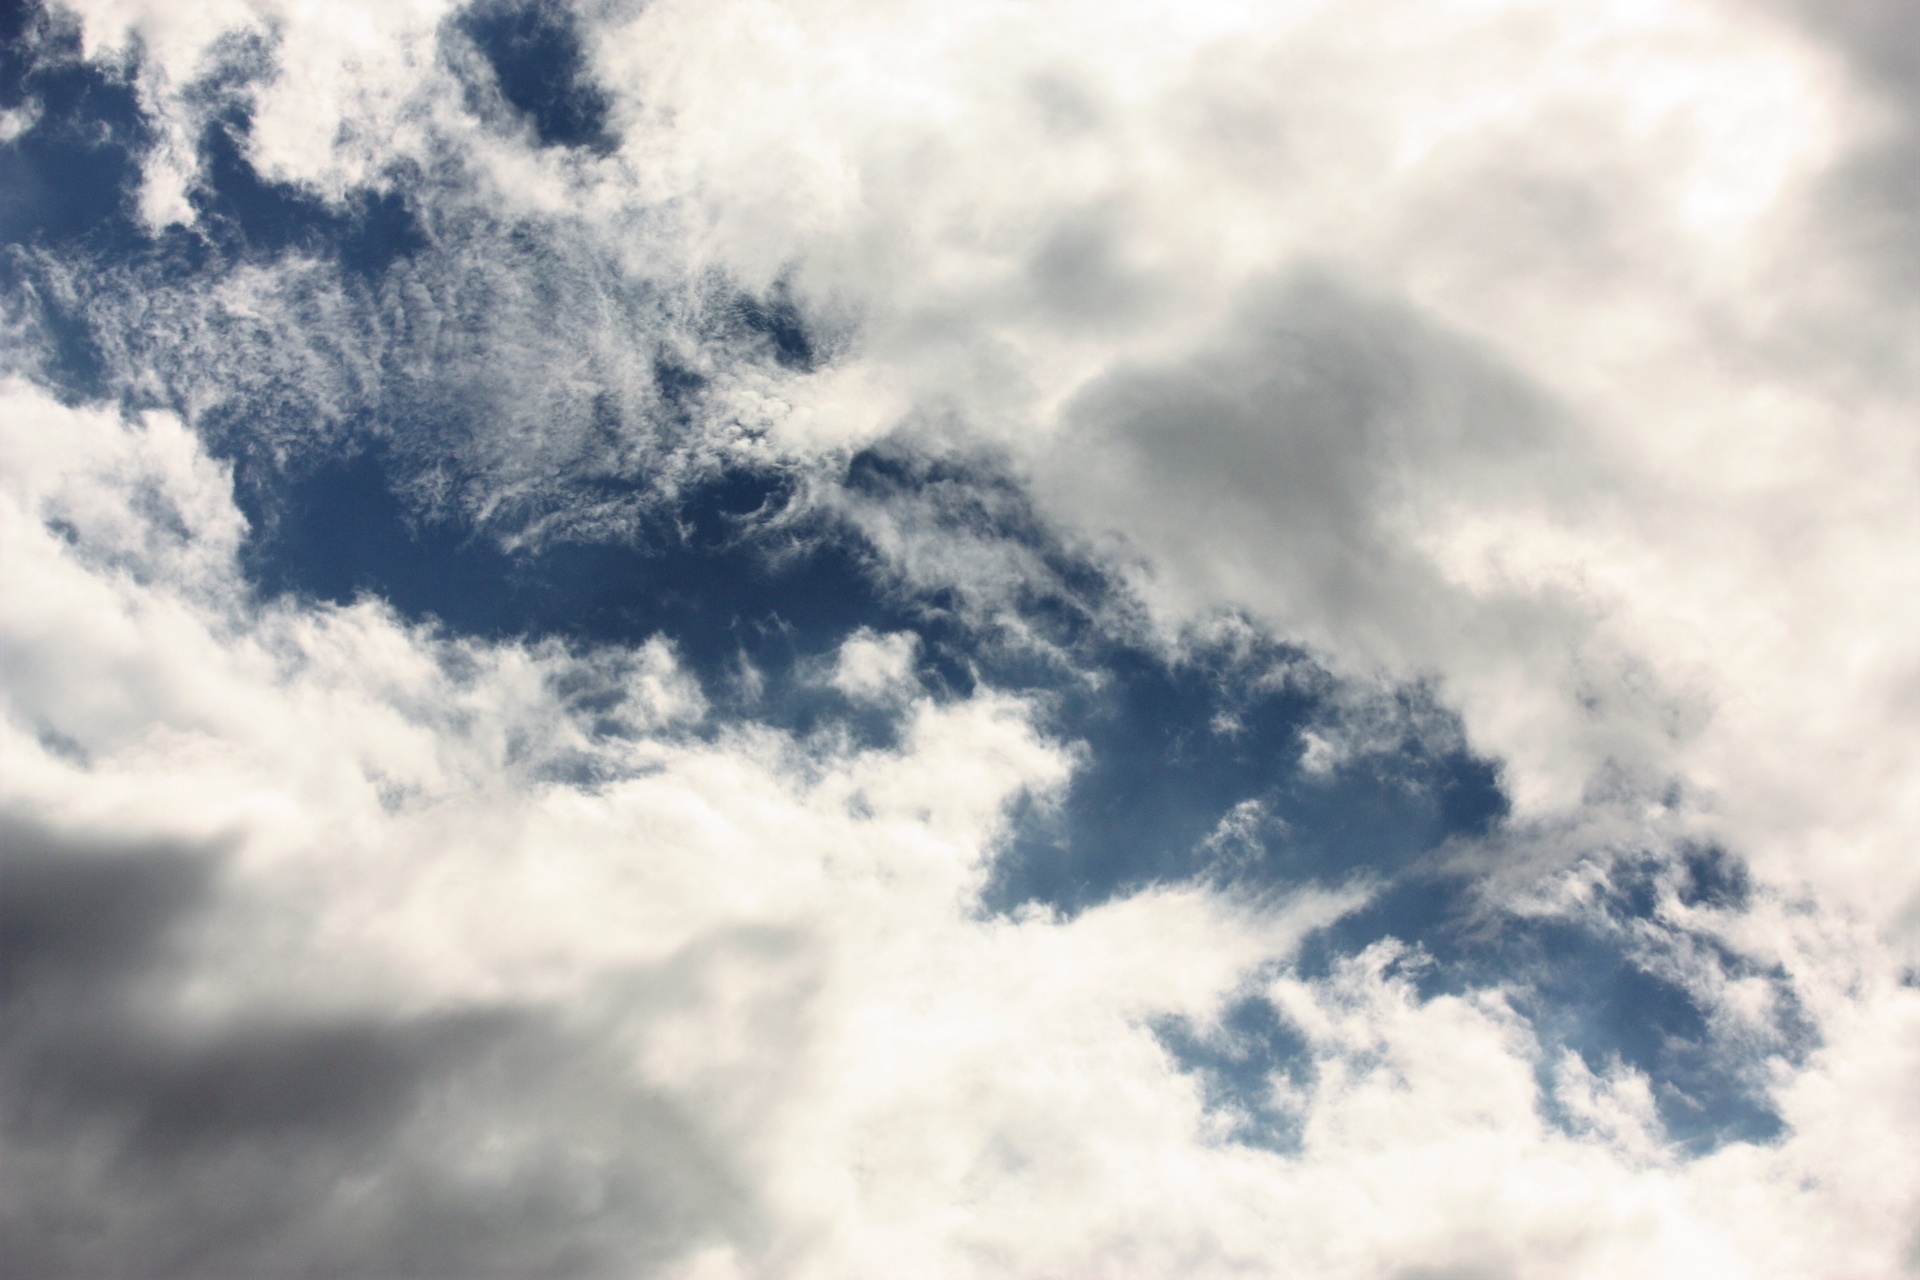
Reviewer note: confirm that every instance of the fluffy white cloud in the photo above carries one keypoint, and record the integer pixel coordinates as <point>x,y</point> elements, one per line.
<point>872,667</point>
<point>1545,351</point>
<point>503,920</point>
<point>1582,403</point>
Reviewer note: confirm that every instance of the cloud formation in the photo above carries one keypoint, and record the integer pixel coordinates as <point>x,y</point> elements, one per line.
<point>820,639</point>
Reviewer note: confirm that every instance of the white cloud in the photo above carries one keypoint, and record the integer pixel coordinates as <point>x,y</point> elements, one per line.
<point>1580,407</point>
<point>775,956</point>
<point>871,667</point>
<point>1559,431</point>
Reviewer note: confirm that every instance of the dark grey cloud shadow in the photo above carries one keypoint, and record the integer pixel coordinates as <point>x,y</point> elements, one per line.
<point>1284,461</point>
<point>78,917</point>
<point>477,1141</point>
<point>1870,202</point>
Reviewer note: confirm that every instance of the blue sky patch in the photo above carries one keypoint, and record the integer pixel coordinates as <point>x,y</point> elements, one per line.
<point>533,48</point>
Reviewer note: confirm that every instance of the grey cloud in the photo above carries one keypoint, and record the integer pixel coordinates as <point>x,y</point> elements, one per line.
<point>1466,1271</point>
<point>1079,276</point>
<point>1313,463</point>
<point>1880,38</point>
<point>1065,107</point>
<point>74,917</point>
<point>1872,199</point>
<point>1294,454</point>
<point>175,1092</point>
<point>486,1143</point>
<point>490,1140</point>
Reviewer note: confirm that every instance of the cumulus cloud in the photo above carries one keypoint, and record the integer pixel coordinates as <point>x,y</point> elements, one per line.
<point>492,980</point>
<point>1539,374</point>
<point>872,667</point>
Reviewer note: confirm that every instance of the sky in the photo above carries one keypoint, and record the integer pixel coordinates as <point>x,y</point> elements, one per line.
<point>790,639</point>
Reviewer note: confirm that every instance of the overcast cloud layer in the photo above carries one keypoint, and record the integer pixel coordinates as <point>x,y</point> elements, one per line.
<point>721,638</point>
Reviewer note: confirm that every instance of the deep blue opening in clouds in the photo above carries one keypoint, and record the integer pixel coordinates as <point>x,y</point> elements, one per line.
<point>249,216</point>
<point>753,608</point>
<point>1597,982</point>
<point>343,531</point>
<point>69,179</point>
<point>1585,993</point>
<point>1194,769</point>
<point>1239,1062</point>
<point>776,320</point>
<point>69,192</point>
<point>1175,744</point>
<point>540,68</point>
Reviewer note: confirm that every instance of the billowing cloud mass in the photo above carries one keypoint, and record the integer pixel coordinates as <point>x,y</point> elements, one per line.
<point>831,639</point>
